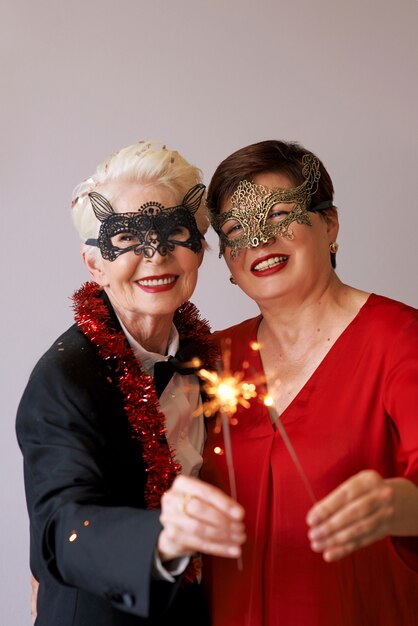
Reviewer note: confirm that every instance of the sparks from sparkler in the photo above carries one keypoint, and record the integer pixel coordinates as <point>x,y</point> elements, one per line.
<point>226,391</point>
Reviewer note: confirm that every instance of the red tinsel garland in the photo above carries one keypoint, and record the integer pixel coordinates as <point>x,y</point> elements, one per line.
<point>141,402</point>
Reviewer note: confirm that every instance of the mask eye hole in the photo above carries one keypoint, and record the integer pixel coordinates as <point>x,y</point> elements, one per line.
<point>179,233</point>
<point>232,229</point>
<point>278,213</point>
<point>124,240</point>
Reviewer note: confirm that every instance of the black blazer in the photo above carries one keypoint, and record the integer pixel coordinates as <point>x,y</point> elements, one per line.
<point>85,479</point>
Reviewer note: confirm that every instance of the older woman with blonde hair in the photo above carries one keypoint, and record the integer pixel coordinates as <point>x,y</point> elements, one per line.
<point>326,456</point>
<point>105,423</point>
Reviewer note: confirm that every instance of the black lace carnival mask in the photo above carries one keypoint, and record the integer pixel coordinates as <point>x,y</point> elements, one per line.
<point>152,228</point>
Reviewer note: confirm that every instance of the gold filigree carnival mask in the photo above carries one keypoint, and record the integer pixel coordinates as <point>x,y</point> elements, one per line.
<point>254,217</point>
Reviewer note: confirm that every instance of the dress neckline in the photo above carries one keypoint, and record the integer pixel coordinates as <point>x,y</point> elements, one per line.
<point>328,356</point>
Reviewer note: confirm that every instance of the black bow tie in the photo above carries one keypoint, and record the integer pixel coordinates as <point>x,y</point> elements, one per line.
<point>181,363</point>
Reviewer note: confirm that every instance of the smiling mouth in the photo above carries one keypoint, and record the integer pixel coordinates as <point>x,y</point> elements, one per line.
<point>157,282</point>
<point>269,263</point>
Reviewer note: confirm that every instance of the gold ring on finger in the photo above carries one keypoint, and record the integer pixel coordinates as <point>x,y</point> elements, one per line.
<point>186,499</point>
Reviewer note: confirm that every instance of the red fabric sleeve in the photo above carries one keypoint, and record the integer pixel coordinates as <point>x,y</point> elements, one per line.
<point>401,401</point>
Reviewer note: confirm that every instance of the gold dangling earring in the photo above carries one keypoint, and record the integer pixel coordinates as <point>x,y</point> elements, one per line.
<point>333,247</point>
<point>232,280</point>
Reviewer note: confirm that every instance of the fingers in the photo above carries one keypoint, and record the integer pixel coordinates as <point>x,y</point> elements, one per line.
<point>175,541</point>
<point>348,491</point>
<point>351,532</point>
<point>212,495</point>
<point>199,517</point>
<point>35,585</point>
<point>355,514</point>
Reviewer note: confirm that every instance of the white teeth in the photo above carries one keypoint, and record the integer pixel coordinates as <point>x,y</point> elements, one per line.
<point>155,282</point>
<point>271,262</point>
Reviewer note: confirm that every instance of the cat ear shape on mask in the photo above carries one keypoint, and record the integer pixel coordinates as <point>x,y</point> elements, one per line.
<point>193,198</point>
<point>101,207</point>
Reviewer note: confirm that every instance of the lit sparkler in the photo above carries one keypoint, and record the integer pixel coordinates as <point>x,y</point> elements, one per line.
<point>226,391</point>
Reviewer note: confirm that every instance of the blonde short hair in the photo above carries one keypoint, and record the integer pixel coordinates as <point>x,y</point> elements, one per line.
<point>146,162</point>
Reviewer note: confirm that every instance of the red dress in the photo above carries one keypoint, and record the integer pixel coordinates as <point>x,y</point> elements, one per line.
<point>359,410</point>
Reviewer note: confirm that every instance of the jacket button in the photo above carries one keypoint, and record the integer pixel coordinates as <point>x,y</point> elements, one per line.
<point>128,600</point>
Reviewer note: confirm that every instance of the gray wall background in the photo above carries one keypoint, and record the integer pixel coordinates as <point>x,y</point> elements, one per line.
<point>82,79</point>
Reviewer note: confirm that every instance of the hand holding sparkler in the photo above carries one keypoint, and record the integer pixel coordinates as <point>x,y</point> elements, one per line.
<point>198,517</point>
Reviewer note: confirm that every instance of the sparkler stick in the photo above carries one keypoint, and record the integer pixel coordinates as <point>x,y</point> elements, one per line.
<point>230,465</point>
<point>228,454</point>
<point>268,401</point>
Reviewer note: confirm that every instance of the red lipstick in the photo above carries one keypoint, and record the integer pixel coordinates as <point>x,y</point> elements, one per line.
<point>157,284</point>
<point>272,263</point>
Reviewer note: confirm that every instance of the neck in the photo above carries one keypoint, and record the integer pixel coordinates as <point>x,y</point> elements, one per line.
<point>303,317</point>
<point>150,331</point>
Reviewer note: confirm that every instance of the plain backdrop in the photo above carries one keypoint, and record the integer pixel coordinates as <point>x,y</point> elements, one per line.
<point>82,79</point>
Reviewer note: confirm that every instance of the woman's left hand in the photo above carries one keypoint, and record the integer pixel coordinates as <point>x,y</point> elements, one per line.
<point>360,511</point>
